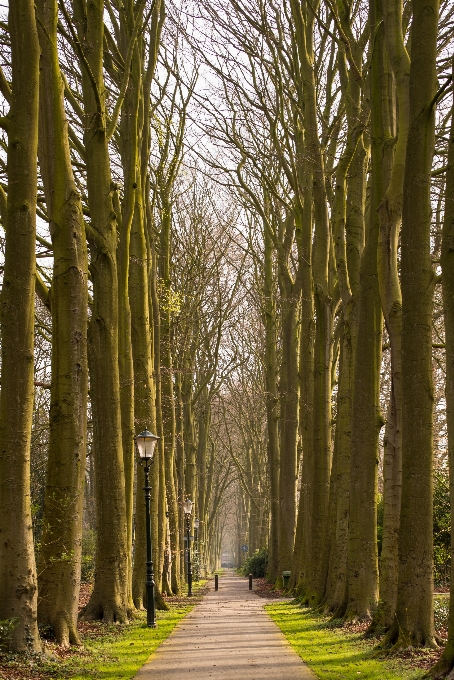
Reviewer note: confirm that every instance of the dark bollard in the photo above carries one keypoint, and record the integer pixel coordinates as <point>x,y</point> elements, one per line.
<point>250,581</point>
<point>216,582</point>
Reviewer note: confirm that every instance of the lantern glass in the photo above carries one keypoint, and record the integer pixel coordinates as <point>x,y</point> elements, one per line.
<point>146,442</point>
<point>196,523</point>
<point>187,505</point>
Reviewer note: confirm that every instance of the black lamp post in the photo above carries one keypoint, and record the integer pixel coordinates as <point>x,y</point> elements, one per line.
<point>187,505</point>
<point>145,443</point>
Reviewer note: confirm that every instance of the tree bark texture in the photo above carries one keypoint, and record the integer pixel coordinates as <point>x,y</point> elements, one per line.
<point>288,387</point>
<point>366,415</point>
<point>306,372</point>
<point>272,406</point>
<point>167,391</point>
<point>61,544</point>
<point>390,216</point>
<point>18,588</point>
<point>109,600</point>
<point>414,624</point>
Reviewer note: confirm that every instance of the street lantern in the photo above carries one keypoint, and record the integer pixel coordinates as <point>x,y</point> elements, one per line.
<point>145,443</point>
<point>196,523</point>
<point>187,505</point>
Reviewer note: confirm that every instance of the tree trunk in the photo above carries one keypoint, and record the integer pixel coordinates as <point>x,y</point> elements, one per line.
<point>301,559</point>
<point>203,430</point>
<point>390,216</point>
<point>348,235</point>
<point>336,584</point>
<point>18,594</point>
<point>61,543</point>
<point>180,466</point>
<point>414,624</point>
<point>322,449</point>
<point>272,407</point>
<point>362,542</point>
<point>288,387</point>
<point>142,287</point>
<point>167,392</point>
<point>320,468</point>
<point>128,144</point>
<point>109,600</point>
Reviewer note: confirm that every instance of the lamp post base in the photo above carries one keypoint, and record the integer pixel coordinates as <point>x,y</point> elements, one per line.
<point>151,610</point>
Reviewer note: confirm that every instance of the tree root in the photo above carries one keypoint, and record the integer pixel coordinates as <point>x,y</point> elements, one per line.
<point>161,604</point>
<point>397,640</point>
<point>351,616</point>
<point>107,610</point>
<point>65,631</point>
<point>442,669</point>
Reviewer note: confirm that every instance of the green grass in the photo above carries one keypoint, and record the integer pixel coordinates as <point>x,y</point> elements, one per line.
<point>330,653</point>
<point>109,652</point>
<point>115,657</point>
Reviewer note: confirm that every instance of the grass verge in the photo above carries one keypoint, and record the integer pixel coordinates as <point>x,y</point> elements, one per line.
<point>110,651</point>
<point>331,652</point>
<point>113,656</point>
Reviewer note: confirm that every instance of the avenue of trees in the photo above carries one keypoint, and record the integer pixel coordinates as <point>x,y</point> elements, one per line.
<point>230,222</point>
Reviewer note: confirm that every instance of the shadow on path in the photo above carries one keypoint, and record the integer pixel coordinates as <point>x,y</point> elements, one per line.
<point>228,636</point>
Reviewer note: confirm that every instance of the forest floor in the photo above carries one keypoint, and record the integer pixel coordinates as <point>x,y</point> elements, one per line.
<point>335,650</point>
<point>110,651</point>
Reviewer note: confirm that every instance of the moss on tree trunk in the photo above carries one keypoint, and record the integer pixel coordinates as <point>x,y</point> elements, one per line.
<point>414,624</point>
<point>109,600</point>
<point>18,589</point>
<point>60,552</point>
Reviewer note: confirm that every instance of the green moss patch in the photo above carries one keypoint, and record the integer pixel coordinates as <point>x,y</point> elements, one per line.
<point>331,653</point>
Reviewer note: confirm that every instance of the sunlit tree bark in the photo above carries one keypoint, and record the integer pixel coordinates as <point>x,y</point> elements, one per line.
<point>61,544</point>
<point>390,215</point>
<point>110,597</point>
<point>18,587</point>
<point>413,623</point>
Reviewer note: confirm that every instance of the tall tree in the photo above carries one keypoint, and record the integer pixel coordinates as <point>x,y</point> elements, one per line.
<point>312,579</point>
<point>413,623</point>
<point>110,597</point>
<point>61,542</point>
<point>362,541</point>
<point>390,216</point>
<point>18,586</point>
<point>272,401</point>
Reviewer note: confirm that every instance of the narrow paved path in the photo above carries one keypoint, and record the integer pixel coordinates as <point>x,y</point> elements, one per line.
<point>228,636</point>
